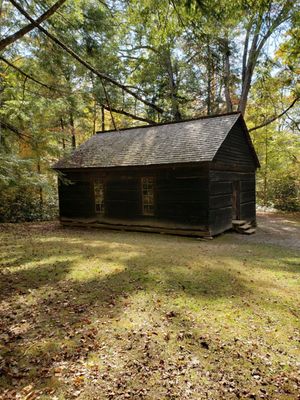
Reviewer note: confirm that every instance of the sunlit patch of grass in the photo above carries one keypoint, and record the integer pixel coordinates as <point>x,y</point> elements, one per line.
<point>130,311</point>
<point>44,347</point>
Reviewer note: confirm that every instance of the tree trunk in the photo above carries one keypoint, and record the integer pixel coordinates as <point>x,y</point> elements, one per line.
<point>249,61</point>
<point>94,115</point>
<point>73,132</point>
<point>40,188</point>
<point>102,118</point>
<point>209,79</point>
<point>227,75</point>
<point>266,171</point>
<point>172,87</point>
<point>213,87</point>
<point>245,89</point>
<point>63,131</point>
<point>261,33</point>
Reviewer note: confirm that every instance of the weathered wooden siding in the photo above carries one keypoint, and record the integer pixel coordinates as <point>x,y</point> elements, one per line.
<point>122,196</point>
<point>181,194</point>
<point>180,199</point>
<point>76,199</point>
<point>220,198</point>
<point>195,196</point>
<point>235,150</point>
<point>183,198</point>
<point>233,165</point>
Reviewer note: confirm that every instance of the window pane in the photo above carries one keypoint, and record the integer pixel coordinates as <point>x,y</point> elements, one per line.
<point>99,197</point>
<point>148,195</point>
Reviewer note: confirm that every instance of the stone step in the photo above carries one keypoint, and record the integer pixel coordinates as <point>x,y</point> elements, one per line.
<point>238,222</point>
<point>249,231</point>
<point>244,227</point>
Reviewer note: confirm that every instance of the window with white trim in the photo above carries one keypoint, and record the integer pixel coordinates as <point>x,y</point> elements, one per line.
<point>148,195</point>
<point>99,196</point>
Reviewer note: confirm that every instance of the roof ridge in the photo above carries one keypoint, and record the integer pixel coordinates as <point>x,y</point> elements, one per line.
<point>194,140</point>
<point>171,122</point>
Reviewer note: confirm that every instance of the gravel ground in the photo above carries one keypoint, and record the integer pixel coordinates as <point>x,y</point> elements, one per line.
<point>278,229</point>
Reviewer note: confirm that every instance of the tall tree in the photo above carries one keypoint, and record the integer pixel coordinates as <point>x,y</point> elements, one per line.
<point>26,29</point>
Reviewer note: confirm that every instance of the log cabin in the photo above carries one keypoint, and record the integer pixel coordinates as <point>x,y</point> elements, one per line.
<point>193,177</point>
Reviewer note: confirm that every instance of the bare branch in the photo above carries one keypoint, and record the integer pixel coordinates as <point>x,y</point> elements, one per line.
<point>105,5</point>
<point>270,120</point>
<point>146,47</point>
<point>27,75</point>
<point>20,33</point>
<point>6,125</point>
<point>108,104</point>
<point>128,114</point>
<point>149,121</point>
<point>100,75</point>
<point>296,123</point>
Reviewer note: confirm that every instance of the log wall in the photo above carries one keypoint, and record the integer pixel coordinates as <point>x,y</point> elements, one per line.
<point>221,198</point>
<point>181,194</point>
<point>76,199</point>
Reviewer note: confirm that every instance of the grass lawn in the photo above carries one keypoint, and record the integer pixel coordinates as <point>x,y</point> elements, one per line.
<point>119,315</point>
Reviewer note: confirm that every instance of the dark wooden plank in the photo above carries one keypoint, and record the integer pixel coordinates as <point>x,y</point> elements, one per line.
<point>246,197</point>
<point>248,211</point>
<point>76,199</point>
<point>216,175</point>
<point>248,185</point>
<point>188,231</point>
<point>220,201</point>
<point>220,220</point>
<point>236,149</point>
<point>220,188</point>
<point>122,196</point>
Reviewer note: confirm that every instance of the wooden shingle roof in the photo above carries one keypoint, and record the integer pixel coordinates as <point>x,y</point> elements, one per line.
<point>195,140</point>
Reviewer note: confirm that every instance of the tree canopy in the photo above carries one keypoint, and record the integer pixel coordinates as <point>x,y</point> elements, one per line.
<point>69,69</point>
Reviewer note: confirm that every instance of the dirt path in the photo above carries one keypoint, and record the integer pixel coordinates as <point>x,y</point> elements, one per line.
<point>277,229</point>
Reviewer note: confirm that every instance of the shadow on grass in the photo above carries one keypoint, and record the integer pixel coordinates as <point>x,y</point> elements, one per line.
<point>63,312</point>
<point>292,265</point>
<point>19,282</point>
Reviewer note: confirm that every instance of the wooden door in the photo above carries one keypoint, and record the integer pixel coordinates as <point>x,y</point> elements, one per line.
<point>236,200</point>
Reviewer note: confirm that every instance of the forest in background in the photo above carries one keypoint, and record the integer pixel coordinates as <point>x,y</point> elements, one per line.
<point>71,68</point>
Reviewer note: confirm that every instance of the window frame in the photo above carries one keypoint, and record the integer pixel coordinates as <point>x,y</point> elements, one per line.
<point>101,183</point>
<point>147,203</point>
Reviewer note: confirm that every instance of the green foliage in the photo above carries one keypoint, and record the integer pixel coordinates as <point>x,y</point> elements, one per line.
<point>25,195</point>
<point>278,144</point>
<point>285,194</point>
<point>21,205</point>
<point>171,53</point>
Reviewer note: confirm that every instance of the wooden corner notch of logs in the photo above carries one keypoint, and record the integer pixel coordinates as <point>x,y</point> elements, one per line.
<point>244,227</point>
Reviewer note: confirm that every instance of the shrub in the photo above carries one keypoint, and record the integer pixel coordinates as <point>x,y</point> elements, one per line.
<point>285,194</point>
<point>24,205</point>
